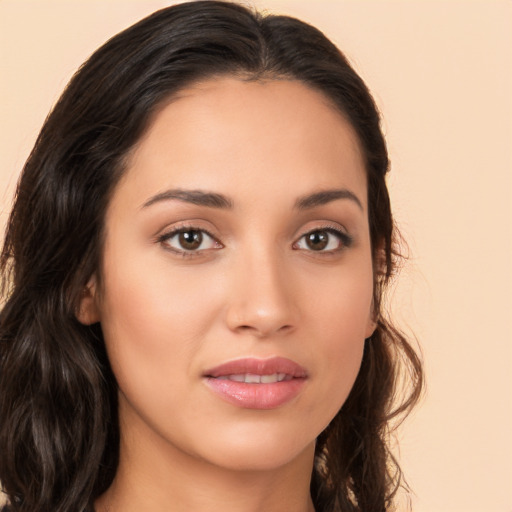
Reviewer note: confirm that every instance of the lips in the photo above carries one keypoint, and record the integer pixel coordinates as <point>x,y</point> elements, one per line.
<point>257,383</point>
<point>251,378</point>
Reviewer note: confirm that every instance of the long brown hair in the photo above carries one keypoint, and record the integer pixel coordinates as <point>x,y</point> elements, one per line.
<point>59,435</point>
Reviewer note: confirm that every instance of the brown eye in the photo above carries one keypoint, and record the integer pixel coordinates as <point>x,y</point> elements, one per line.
<point>318,240</point>
<point>323,240</point>
<point>190,240</point>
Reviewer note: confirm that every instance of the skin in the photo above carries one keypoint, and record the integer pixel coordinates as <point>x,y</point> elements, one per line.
<point>254,289</point>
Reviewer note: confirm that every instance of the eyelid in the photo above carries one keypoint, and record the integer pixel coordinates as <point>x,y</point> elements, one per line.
<point>345,238</point>
<point>181,228</point>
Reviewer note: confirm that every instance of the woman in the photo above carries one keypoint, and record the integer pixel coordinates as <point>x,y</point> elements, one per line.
<point>194,269</point>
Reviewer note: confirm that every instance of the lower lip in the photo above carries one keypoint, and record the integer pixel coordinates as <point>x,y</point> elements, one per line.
<point>256,396</point>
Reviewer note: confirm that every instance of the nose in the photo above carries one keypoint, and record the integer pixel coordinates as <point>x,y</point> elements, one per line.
<point>262,300</point>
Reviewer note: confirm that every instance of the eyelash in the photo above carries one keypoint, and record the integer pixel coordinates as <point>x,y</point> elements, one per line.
<point>344,239</point>
<point>164,238</point>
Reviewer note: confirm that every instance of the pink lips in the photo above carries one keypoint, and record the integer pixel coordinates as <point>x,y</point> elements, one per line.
<point>257,383</point>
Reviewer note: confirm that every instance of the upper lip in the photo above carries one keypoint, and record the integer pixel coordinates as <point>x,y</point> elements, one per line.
<point>258,367</point>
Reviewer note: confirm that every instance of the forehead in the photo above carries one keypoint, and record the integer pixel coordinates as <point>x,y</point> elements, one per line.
<point>226,131</point>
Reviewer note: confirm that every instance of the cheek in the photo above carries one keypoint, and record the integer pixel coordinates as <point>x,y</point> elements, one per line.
<point>340,316</point>
<point>153,323</point>
<point>341,306</point>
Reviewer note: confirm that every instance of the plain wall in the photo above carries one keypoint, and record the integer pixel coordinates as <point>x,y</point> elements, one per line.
<point>441,72</point>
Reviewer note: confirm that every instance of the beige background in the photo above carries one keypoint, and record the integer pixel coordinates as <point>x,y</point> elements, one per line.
<point>442,74</point>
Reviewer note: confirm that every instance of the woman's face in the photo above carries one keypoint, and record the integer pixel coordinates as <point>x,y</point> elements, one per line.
<point>236,287</point>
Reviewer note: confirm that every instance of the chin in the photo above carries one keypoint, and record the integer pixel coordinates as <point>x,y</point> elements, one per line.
<point>260,452</point>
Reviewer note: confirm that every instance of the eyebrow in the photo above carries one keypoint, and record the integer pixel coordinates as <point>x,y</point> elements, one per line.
<point>197,197</point>
<point>216,200</point>
<point>326,196</point>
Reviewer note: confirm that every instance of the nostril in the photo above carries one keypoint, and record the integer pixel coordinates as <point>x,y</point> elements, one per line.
<point>252,317</point>
<point>262,331</point>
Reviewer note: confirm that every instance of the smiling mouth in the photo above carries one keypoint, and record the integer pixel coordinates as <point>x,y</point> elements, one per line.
<point>257,383</point>
<point>252,378</point>
<point>253,370</point>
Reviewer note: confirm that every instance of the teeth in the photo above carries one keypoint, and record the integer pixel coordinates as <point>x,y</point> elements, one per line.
<point>251,378</point>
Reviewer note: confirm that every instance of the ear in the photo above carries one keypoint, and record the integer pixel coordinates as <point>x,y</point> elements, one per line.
<point>379,270</point>
<point>88,312</point>
<point>371,324</point>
